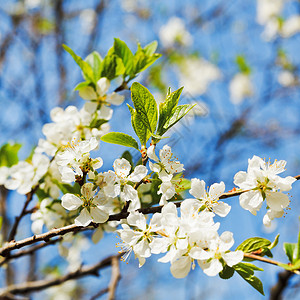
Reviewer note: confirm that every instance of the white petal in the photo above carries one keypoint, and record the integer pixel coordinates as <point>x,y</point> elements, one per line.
<point>137,219</point>
<point>138,174</point>
<point>226,241</point>
<point>122,167</point>
<point>84,219</point>
<point>164,176</point>
<point>181,267</point>
<point>285,184</point>
<point>233,258</point>
<point>221,209</point>
<point>199,253</point>
<point>103,85</point>
<point>198,188</point>
<point>87,93</point>
<point>97,235</point>
<point>277,201</point>
<point>212,268</point>
<point>87,190</point>
<point>216,190</point>
<point>151,153</point>
<point>240,178</point>
<point>98,215</point>
<point>251,201</point>
<point>115,99</point>
<point>71,202</point>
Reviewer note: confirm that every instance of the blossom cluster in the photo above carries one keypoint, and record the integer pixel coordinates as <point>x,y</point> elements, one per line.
<point>187,239</point>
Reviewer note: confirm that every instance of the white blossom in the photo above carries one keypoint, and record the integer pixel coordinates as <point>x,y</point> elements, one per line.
<point>263,183</point>
<point>174,32</point>
<point>92,207</point>
<point>210,200</point>
<point>240,87</point>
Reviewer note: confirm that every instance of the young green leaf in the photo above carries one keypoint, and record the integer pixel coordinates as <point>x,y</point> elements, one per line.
<point>122,50</point>
<point>141,60</point>
<point>150,48</point>
<point>9,154</point>
<point>145,105</point>
<point>94,60</point>
<point>111,67</point>
<point>253,244</point>
<point>246,271</point>
<point>138,126</point>
<point>166,108</point>
<point>298,247</point>
<point>291,251</point>
<point>81,85</point>
<point>84,66</point>
<point>274,244</point>
<point>178,113</point>
<point>120,138</point>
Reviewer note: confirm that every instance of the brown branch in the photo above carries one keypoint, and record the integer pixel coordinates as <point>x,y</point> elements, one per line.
<point>29,197</point>
<point>115,278</point>
<point>35,286</point>
<point>28,251</point>
<point>261,258</point>
<point>277,290</point>
<point>4,251</point>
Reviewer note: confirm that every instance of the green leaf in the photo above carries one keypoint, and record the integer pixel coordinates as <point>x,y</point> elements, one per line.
<point>291,251</point>
<point>96,123</point>
<point>178,113</point>
<point>145,105</point>
<point>142,61</point>
<point>112,66</point>
<point>138,126</point>
<point>274,244</point>
<point>150,48</point>
<point>94,60</point>
<point>227,272</point>
<point>298,247</point>
<point>9,154</point>
<point>246,271</point>
<point>1,220</point>
<point>68,188</point>
<point>253,244</point>
<point>121,49</point>
<point>166,108</point>
<point>120,138</point>
<point>83,65</point>
<point>41,194</point>
<point>242,64</point>
<point>81,85</point>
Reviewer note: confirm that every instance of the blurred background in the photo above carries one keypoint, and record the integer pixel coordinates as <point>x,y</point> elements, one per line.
<point>238,60</point>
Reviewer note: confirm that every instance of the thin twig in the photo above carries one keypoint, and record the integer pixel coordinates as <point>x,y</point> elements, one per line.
<point>35,286</point>
<point>23,213</point>
<point>115,277</point>
<point>29,251</point>
<point>261,258</point>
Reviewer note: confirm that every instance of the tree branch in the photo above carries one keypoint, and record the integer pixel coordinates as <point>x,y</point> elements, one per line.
<point>277,290</point>
<point>23,213</point>
<point>4,251</point>
<point>29,251</point>
<point>35,286</point>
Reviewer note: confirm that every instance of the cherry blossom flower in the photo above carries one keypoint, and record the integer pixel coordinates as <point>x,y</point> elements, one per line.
<point>210,200</point>
<point>219,250</point>
<point>263,183</point>
<point>75,160</point>
<point>92,207</point>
